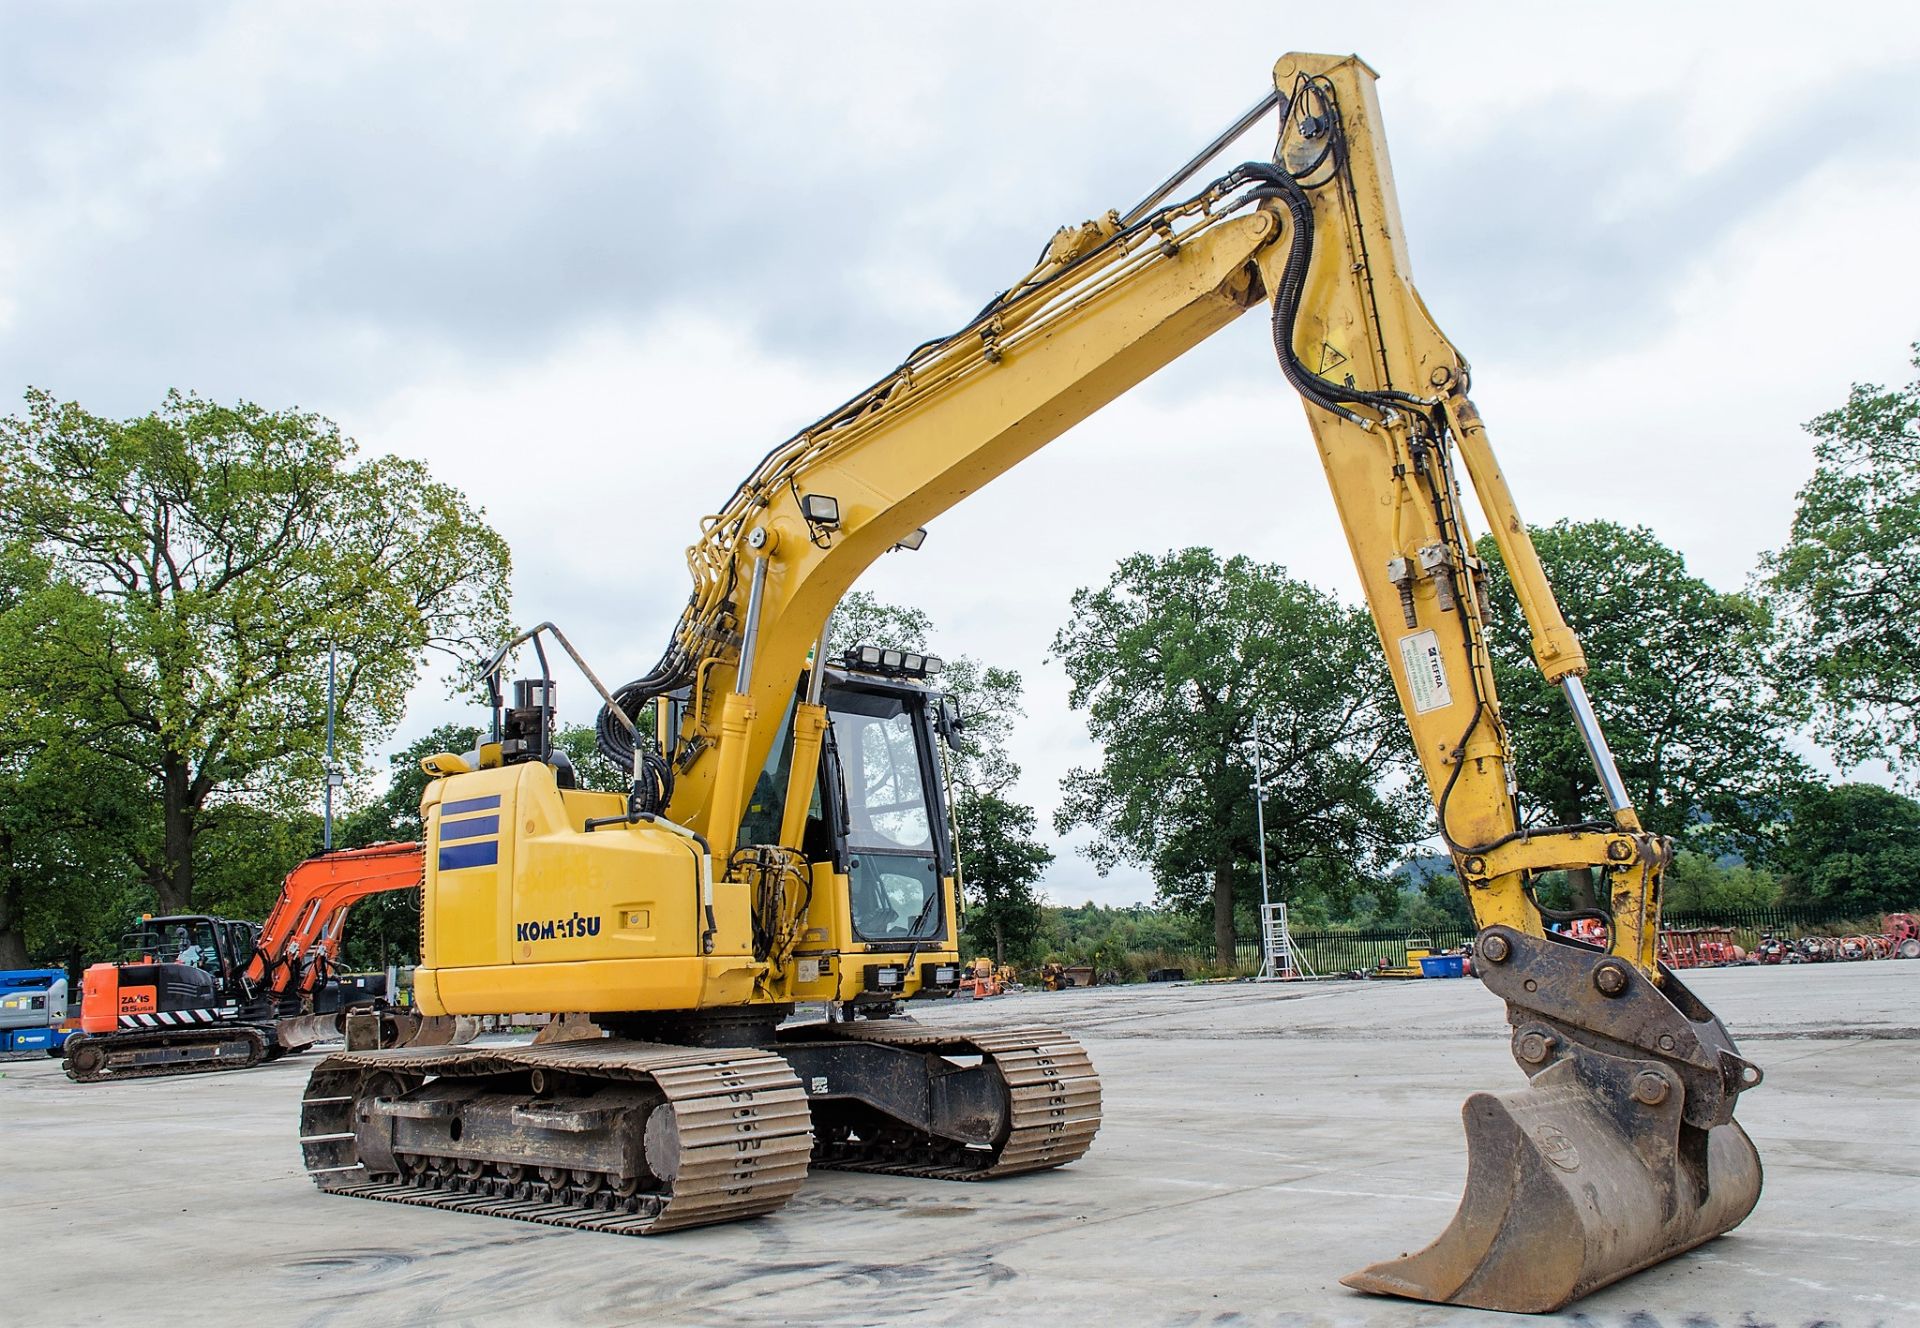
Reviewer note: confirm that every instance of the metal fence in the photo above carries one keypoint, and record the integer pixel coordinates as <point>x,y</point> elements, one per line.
<point>1329,953</point>
<point>1787,921</point>
<point>1334,952</point>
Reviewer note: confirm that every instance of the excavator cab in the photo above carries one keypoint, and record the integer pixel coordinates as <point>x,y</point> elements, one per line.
<point>877,825</point>
<point>884,807</point>
<point>176,970</point>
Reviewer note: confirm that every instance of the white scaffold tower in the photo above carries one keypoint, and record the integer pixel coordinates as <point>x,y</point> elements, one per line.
<point>1279,961</point>
<point>1282,963</point>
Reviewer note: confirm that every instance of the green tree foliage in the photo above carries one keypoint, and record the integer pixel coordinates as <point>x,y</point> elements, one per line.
<point>69,817</point>
<point>591,770</point>
<point>245,854</point>
<point>67,885</point>
<point>1679,678</point>
<point>1847,584</point>
<point>1130,939</point>
<point>1002,863</point>
<point>1002,860</point>
<point>208,555</point>
<point>1696,883</point>
<point>863,620</point>
<point>1173,659</point>
<point>1853,846</point>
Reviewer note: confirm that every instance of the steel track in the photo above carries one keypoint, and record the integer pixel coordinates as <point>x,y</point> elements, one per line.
<point>1053,1099</point>
<point>110,1044</point>
<point>743,1125</point>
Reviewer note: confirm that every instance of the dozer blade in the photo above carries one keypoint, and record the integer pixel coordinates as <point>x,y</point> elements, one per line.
<point>372,1030</point>
<point>438,1030</point>
<point>1619,1153</point>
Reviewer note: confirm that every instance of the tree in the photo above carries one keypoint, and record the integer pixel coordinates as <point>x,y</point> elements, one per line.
<point>1679,678</point>
<point>394,816</point>
<point>1854,846</point>
<point>592,770</point>
<point>1172,660</point>
<point>863,620</point>
<point>1003,862</point>
<point>1847,584</point>
<point>68,817</point>
<point>210,555</point>
<point>1696,883</point>
<point>66,883</point>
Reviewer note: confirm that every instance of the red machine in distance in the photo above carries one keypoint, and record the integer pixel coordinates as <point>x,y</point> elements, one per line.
<point>194,993</point>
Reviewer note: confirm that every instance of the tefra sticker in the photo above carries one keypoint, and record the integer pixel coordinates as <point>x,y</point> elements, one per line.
<point>1426,672</point>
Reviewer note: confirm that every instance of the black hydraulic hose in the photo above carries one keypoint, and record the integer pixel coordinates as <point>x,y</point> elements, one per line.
<point>1277,183</point>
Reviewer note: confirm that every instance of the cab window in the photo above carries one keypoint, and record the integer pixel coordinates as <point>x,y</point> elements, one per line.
<point>880,759</point>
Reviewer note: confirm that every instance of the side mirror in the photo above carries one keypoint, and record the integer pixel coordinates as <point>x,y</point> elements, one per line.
<point>949,721</point>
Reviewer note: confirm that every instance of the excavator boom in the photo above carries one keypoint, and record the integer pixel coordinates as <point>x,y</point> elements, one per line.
<point>301,937</point>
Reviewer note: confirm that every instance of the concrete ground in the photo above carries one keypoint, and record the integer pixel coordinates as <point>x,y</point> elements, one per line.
<point>1259,1142</point>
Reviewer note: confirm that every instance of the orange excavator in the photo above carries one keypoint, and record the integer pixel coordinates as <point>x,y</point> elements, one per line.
<point>193,993</point>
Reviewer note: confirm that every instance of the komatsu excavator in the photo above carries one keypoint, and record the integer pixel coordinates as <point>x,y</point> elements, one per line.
<point>784,841</point>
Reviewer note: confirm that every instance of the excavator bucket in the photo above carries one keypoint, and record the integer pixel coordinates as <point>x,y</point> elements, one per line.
<point>1619,1153</point>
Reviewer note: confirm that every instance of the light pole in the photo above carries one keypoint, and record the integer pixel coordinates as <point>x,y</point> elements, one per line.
<point>1260,831</point>
<point>333,778</point>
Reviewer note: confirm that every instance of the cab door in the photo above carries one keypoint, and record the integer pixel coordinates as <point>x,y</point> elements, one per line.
<point>891,816</point>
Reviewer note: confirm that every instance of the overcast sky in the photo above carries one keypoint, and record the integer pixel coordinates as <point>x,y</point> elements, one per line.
<point>590,261</point>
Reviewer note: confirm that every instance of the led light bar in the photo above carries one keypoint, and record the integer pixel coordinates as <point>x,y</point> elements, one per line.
<point>893,663</point>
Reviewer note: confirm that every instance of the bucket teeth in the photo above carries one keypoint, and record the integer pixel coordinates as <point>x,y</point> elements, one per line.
<point>1591,1172</point>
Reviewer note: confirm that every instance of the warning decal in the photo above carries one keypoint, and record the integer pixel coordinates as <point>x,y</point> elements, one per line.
<point>1426,672</point>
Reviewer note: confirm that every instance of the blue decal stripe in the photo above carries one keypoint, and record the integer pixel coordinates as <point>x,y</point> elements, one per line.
<point>456,856</point>
<point>470,805</point>
<point>469,829</point>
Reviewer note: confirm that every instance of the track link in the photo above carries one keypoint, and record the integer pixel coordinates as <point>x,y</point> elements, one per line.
<point>1053,1106</point>
<point>90,1058</point>
<point>739,1117</point>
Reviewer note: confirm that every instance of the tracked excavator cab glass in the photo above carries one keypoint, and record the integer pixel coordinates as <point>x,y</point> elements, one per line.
<point>173,941</point>
<point>768,803</point>
<point>886,786</point>
<point>891,815</point>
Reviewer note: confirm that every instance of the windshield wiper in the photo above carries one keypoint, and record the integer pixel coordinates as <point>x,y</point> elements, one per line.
<point>933,897</point>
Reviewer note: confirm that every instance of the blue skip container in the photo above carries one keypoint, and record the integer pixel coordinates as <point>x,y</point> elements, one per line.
<point>1442,966</point>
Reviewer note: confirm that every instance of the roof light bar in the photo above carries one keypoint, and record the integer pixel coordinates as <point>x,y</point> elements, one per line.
<point>893,663</point>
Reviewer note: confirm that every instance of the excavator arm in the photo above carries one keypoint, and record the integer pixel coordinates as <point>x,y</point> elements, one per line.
<point>299,946</point>
<point>308,918</point>
<point>1622,1150</point>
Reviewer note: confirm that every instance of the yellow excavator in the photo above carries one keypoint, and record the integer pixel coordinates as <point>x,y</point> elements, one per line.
<point>785,841</point>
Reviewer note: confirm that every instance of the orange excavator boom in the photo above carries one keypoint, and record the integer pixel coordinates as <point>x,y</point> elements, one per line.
<point>312,908</point>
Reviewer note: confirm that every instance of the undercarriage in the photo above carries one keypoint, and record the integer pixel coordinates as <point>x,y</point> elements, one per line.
<point>638,1138</point>
<point>239,1044</point>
